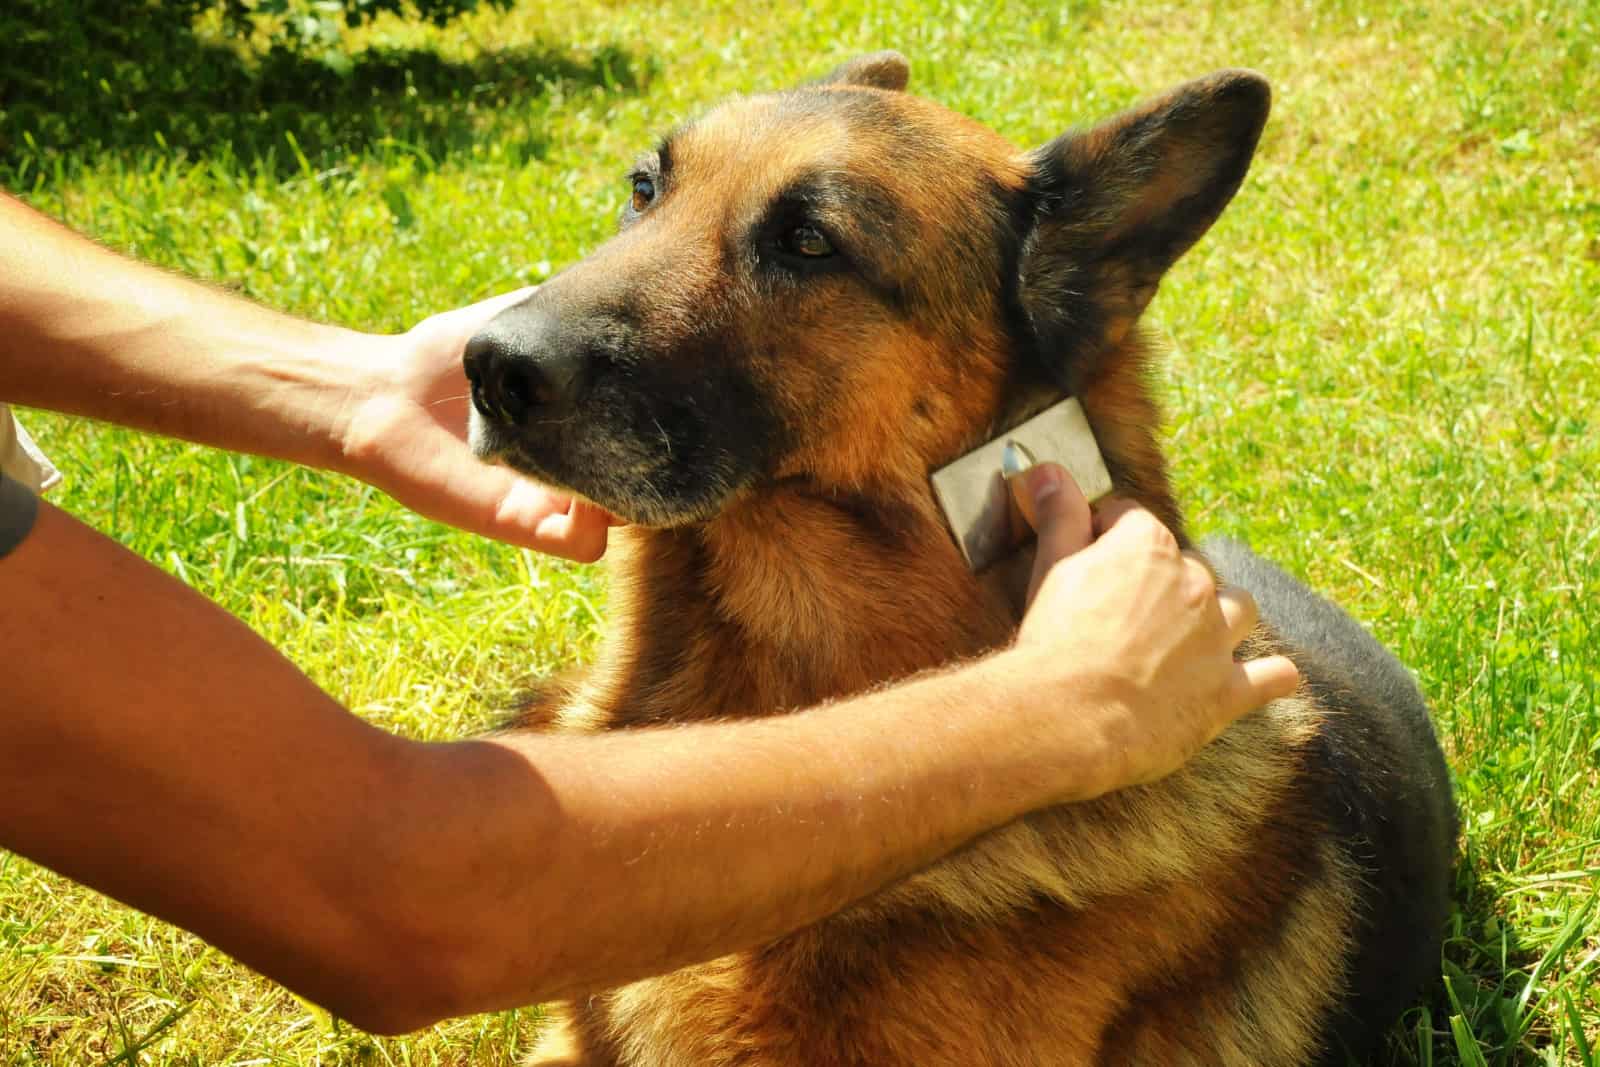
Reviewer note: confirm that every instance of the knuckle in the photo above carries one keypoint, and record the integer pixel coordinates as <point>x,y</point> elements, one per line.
<point>581,544</point>
<point>590,550</point>
<point>1157,535</point>
<point>1046,578</point>
<point>1248,610</point>
<point>1199,584</point>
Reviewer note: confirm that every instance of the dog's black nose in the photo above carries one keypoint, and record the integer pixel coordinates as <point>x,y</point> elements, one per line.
<point>517,371</point>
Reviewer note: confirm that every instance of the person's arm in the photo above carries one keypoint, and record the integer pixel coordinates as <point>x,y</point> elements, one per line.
<point>88,332</point>
<point>154,748</point>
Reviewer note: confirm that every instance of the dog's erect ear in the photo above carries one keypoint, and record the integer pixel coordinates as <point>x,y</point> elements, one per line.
<point>878,70</point>
<point>1117,204</point>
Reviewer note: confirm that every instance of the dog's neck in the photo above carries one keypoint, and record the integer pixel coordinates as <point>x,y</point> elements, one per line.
<point>796,595</point>
<point>789,598</point>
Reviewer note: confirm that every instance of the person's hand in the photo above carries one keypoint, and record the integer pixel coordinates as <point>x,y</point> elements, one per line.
<point>405,432</point>
<point>1143,626</point>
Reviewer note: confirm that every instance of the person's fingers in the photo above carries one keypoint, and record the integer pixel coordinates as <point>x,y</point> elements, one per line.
<point>1258,681</point>
<point>1239,612</point>
<point>484,310</point>
<point>563,534</point>
<point>580,531</point>
<point>1198,583</point>
<point>1198,567</point>
<point>453,486</point>
<point>1131,525</point>
<point>1055,507</point>
<point>442,337</point>
<point>1111,510</point>
<point>536,517</point>
<point>589,514</point>
<point>491,501</point>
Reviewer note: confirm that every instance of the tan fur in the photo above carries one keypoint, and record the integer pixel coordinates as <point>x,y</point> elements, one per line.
<point>1127,930</point>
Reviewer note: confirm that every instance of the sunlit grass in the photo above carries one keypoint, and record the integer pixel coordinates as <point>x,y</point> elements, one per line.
<point>1385,374</point>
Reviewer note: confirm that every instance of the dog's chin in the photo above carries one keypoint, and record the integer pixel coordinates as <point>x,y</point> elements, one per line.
<point>637,500</point>
<point>629,482</point>
<point>640,503</point>
<point>670,515</point>
<point>643,504</point>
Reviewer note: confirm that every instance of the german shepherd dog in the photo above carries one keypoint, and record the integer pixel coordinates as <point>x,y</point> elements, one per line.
<point>817,297</point>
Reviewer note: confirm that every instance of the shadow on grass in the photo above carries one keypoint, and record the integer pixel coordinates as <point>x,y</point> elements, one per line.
<point>1484,970</point>
<point>76,88</point>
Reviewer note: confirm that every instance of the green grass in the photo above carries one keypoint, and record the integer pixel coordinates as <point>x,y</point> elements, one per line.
<point>1385,373</point>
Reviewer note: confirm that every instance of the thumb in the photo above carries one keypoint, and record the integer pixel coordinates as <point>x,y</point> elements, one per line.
<point>458,325</point>
<point>1056,509</point>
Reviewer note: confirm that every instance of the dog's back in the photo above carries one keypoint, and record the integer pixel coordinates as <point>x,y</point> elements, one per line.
<point>1385,771</point>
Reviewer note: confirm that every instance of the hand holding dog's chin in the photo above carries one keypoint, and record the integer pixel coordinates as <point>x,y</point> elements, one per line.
<point>1128,645</point>
<point>403,430</point>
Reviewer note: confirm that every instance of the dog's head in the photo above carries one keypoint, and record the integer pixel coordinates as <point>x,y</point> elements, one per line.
<point>844,286</point>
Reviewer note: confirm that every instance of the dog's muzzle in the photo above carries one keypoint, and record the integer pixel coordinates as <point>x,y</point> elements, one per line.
<point>525,368</point>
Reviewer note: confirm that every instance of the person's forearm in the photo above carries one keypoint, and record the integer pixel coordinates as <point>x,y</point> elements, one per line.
<point>670,846</point>
<point>158,750</point>
<point>88,332</point>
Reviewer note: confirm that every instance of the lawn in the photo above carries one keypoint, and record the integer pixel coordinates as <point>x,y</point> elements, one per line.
<point>1384,372</point>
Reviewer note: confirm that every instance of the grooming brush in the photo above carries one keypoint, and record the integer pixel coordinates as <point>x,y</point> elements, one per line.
<point>976,500</point>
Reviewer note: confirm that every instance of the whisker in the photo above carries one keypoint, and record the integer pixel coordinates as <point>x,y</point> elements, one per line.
<point>665,440</point>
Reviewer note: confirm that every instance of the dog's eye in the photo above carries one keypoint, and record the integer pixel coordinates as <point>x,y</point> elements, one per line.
<point>644,192</point>
<point>807,241</point>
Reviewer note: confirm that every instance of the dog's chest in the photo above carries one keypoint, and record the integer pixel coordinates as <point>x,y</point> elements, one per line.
<point>905,1006</point>
<point>707,631</point>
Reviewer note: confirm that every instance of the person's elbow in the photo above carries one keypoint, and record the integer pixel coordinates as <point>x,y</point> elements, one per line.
<point>388,1017</point>
<point>420,965</point>
<point>429,935</point>
<point>397,990</point>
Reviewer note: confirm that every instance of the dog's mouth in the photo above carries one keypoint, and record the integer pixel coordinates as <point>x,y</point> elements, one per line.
<point>659,478</point>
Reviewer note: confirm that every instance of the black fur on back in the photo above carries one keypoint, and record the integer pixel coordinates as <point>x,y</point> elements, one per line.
<point>1386,788</point>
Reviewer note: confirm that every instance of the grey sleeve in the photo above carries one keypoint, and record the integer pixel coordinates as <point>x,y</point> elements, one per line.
<point>18,509</point>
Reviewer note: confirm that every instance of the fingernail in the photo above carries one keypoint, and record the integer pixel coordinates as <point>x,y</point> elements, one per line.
<point>1014,459</point>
